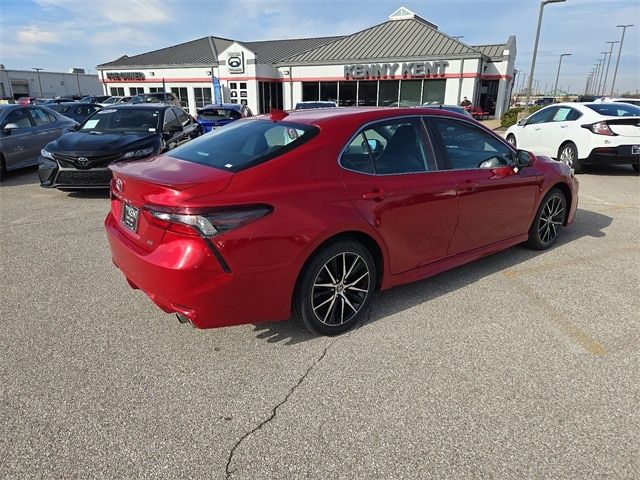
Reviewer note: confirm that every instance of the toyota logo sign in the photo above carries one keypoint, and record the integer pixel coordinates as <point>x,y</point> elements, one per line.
<point>235,62</point>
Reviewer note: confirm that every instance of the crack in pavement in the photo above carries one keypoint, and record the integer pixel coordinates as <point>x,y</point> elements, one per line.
<point>274,411</point>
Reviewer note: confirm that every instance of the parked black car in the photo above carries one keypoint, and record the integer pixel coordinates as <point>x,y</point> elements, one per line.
<point>80,159</point>
<point>24,130</point>
<point>158,97</point>
<point>94,98</point>
<point>75,110</point>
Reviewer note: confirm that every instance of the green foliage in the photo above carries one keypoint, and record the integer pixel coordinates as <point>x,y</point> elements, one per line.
<point>511,116</point>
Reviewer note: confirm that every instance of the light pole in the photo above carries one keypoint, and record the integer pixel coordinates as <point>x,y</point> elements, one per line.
<point>39,82</point>
<point>555,88</point>
<point>606,72</point>
<point>535,49</point>
<point>615,72</point>
<point>604,60</point>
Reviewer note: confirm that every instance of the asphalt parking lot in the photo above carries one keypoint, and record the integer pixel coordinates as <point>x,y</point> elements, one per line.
<point>521,365</point>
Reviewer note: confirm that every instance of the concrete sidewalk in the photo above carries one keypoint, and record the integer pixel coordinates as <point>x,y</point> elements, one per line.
<point>493,124</point>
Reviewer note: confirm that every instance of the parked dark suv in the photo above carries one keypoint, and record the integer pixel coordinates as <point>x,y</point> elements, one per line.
<point>80,159</point>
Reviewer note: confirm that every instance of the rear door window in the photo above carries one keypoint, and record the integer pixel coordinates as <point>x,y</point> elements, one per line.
<point>614,109</point>
<point>40,116</point>
<point>244,144</point>
<point>18,117</point>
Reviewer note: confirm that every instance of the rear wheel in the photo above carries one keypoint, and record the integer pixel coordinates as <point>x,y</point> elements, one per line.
<point>336,287</point>
<point>548,221</point>
<point>3,168</point>
<point>636,167</point>
<point>568,153</point>
<point>512,140</point>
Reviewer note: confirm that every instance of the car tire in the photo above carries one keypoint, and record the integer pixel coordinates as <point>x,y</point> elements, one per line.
<point>3,168</point>
<point>568,153</point>
<point>335,288</point>
<point>636,167</point>
<point>549,219</point>
<point>512,140</point>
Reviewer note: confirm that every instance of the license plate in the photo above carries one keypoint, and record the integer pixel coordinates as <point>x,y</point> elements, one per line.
<point>635,149</point>
<point>130,217</point>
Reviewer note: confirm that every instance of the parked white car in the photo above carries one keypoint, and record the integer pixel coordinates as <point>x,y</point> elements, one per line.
<point>632,101</point>
<point>582,133</point>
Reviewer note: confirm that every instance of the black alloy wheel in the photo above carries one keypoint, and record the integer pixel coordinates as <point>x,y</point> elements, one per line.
<point>548,221</point>
<point>336,288</point>
<point>568,153</point>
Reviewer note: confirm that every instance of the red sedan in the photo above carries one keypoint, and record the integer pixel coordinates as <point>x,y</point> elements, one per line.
<point>310,213</point>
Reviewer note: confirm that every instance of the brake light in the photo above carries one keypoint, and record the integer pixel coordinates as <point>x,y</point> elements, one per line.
<point>205,222</point>
<point>600,128</point>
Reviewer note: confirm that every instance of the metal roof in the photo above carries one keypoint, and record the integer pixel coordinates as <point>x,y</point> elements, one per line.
<point>200,52</point>
<point>270,51</point>
<point>493,50</point>
<point>392,39</point>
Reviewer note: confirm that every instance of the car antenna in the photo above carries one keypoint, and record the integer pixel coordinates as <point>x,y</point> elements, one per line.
<point>277,114</point>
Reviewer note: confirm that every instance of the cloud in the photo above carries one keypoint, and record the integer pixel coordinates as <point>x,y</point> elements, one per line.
<point>113,11</point>
<point>34,35</point>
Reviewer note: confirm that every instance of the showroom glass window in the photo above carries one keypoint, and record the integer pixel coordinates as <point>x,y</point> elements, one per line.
<point>367,93</point>
<point>348,94</point>
<point>310,91</point>
<point>155,90</point>
<point>181,93</point>
<point>329,91</point>
<point>467,146</point>
<point>433,91</point>
<point>410,93</point>
<point>136,90</point>
<point>388,93</point>
<point>202,96</point>
<point>117,91</point>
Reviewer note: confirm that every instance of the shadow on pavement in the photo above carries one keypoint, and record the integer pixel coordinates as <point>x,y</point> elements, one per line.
<point>608,170</point>
<point>586,224</point>
<point>24,176</point>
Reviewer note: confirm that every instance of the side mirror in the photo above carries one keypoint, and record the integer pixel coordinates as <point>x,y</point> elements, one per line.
<point>9,127</point>
<point>524,158</point>
<point>522,122</point>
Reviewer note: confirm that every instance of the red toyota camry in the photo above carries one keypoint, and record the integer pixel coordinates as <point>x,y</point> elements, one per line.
<point>308,214</point>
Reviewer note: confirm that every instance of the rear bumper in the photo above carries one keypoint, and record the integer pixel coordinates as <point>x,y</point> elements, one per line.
<point>53,176</point>
<point>621,154</point>
<point>182,275</point>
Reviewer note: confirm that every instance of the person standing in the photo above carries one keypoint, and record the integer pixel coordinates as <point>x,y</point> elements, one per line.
<point>465,103</point>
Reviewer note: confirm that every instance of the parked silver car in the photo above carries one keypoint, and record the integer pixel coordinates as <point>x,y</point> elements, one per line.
<point>24,130</point>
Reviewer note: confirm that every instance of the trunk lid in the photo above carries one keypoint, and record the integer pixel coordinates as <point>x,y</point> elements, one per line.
<point>625,127</point>
<point>162,181</point>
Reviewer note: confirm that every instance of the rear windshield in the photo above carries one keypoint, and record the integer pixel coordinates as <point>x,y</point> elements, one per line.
<point>243,144</point>
<point>123,120</point>
<point>218,114</point>
<point>615,109</point>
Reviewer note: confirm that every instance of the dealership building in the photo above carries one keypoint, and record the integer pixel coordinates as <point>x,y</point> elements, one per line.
<point>405,61</point>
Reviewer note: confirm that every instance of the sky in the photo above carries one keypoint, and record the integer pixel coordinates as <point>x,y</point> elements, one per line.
<point>59,34</point>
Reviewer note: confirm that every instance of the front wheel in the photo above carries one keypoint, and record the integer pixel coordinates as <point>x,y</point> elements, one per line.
<point>568,153</point>
<point>548,221</point>
<point>336,288</point>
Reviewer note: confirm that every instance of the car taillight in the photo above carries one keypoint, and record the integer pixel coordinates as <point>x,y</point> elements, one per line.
<point>205,222</point>
<point>600,128</point>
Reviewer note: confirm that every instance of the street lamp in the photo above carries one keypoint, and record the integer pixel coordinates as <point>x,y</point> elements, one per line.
<point>555,88</point>
<point>615,72</point>
<point>39,82</point>
<point>604,60</point>
<point>535,48</point>
<point>606,72</point>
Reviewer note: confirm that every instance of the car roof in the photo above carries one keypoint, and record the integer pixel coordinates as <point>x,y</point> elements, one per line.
<point>149,106</point>
<point>318,116</point>
<point>229,106</point>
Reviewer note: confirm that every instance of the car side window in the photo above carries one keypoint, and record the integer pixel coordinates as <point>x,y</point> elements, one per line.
<point>183,117</point>
<point>18,117</point>
<point>396,146</point>
<point>468,147</point>
<point>40,116</point>
<point>170,120</point>
<point>543,116</point>
<point>356,156</point>
<point>566,114</point>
